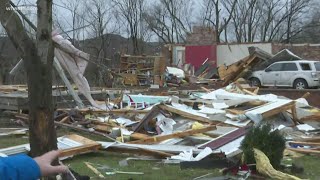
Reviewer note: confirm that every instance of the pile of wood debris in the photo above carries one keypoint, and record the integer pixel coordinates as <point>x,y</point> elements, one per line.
<point>191,128</point>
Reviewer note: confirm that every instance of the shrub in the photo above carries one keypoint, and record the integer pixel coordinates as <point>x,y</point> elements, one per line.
<point>272,143</point>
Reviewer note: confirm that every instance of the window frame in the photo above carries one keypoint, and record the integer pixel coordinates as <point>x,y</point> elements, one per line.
<point>310,67</point>
<point>284,65</point>
<point>269,68</point>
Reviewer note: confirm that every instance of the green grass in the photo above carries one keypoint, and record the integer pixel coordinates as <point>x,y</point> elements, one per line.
<point>311,164</point>
<point>151,169</point>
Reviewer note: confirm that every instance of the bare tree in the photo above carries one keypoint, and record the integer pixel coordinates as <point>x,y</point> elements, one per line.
<point>99,13</point>
<point>170,20</point>
<point>74,7</point>
<point>271,20</point>
<point>217,14</point>
<point>38,57</point>
<point>131,13</point>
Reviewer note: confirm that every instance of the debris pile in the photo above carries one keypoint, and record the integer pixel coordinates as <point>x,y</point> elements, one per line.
<point>191,130</point>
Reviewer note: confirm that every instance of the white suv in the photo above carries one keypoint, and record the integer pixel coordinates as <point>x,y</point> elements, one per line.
<point>301,74</point>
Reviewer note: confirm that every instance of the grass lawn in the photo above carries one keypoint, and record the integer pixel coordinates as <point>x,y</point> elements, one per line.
<point>105,161</point>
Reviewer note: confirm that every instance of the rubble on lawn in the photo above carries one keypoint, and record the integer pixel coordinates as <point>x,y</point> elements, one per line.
<point>166,126</point>
<point>199,128</point>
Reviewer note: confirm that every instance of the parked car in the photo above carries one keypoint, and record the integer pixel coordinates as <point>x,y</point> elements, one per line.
<point>301,74</point>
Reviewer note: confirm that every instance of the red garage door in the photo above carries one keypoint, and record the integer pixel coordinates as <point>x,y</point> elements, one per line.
<point>196,55</point>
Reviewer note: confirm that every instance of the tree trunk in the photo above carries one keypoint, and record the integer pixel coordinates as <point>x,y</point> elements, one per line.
<point>38,58</point>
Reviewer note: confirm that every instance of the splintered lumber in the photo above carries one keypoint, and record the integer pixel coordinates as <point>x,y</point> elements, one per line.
<point>313,147</point>
<point>83,130</point>
<point>65,119</point>
<point>103,128</point>
<point>313,117</point>
<point>121,111</point>
<point>279,109</point>
<point>235,111</point>
<point>80,150</point>
<point>269,110</point>
<point>257,90</point>
<point>149,116</point>
<point>138,136</point>
<point>205,89</point>
<point>306,95</point>
<point>88,145</point>
<point>156,139</point>
<point>94,170</point>
<point>313,139</point>
<point>156,153</point>
<point>186,114</point>
<point>140,151</point>
<point>304,151</point>
<point>294,113</point>
<point>113,111</point>
<point>249,92</point>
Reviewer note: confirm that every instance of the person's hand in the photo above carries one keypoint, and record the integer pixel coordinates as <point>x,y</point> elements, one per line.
<point>44,162</point>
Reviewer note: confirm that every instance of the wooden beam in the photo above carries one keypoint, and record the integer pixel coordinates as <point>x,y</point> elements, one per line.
<point>156,153</point>
<point>304,151</point>
<point>94,170</point>
<point>294,113</point>
<point>113,111</point>
<point>65,119</point>
<point>149,116</point>
<point>156,139</point>
<point>140,151</point>
<point>278,110</point>
<point>249,92</point>
<point>205,89</point>
<point>80,150</point>
<point>139,136</point>
<point>313,117</point>
<point>256,91</point>
<point>82,130</point>
<point>187,115</point>
<point>306,95</point>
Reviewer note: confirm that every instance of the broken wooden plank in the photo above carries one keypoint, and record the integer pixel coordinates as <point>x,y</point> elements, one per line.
<point>156,153</point>
<point>279,109</point>
<point>306,95</point>
<point>256,91</point>
<point>235,111</point>
<point>94,170</point>
<point>149,116</point>
<point>249,92</point>
<point>83,130</point>
<point>313,117</point>
<point>205,89</point>
<point>88,145</point>
<point>268,110</point>
<point>65,119</point>
<point>80,150</point>
<point>138,136</point>
<point>294,113</point>
<point>304,151</point>
<point>187,114</point>
<point>155,139</point>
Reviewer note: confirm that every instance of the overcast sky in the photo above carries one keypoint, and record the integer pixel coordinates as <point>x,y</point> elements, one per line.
<point>65,18</point>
